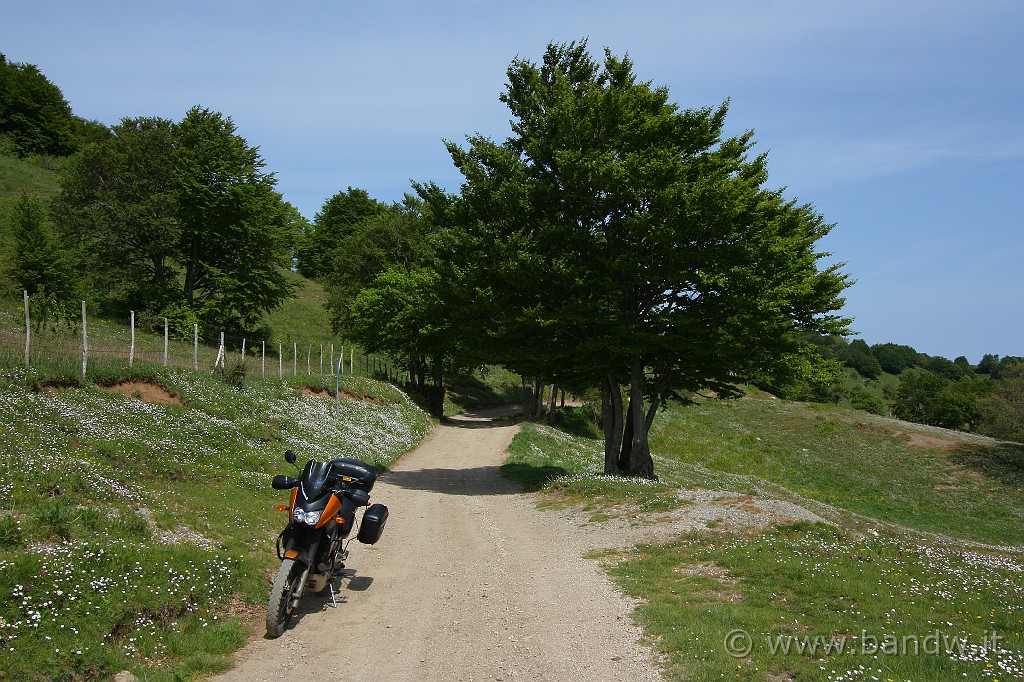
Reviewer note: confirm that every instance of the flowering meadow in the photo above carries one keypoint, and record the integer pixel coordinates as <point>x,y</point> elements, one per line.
<point>137,535</point>
<point>811,602</point>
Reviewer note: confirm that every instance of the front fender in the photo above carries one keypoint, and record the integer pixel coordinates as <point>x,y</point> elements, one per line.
<point>299,543</point>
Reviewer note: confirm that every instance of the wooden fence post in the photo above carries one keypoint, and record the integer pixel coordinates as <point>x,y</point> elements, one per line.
<point>295,358</point>
<point>309,359</point>
<point>165,342</point>
<point>263,359</point>
<point>219,360</point>
<point>131,347</point>
<point>337,389</point>
<point>28,326</point>
<point>280,361</point>
<point>243,350</point>
<point>195,347</point>
<point>85,342</point>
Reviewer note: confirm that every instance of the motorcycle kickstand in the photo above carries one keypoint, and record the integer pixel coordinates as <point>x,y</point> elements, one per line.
<point>330,586</point>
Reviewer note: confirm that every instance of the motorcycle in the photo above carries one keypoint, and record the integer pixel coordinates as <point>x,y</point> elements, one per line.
<point>313,547</point>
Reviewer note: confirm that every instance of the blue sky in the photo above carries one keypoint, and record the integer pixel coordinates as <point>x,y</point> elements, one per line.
<point>901,121</point>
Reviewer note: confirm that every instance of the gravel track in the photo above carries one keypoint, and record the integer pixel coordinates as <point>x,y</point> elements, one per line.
<point>469,582</point>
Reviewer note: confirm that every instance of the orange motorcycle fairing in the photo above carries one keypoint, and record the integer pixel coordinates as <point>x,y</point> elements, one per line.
<point>330,511</point>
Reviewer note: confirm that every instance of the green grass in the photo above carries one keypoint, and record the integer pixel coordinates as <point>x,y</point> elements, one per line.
<point>899,473</point>
<point>130,529</point>
<point>18,176</point>
<point>906,565</point>
<point>779,606</point>
<point>570,470</point>
<point>488,386</point>
<point>303,319</point>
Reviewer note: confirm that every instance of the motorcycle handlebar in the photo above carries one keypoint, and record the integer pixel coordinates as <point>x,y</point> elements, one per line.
<point>359,497</point>
<point>282,482</point>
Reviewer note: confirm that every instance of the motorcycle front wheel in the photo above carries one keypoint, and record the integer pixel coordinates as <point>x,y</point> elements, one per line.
<point>279,607</point>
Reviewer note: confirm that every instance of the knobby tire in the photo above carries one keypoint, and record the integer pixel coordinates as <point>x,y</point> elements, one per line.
<point>279,608</point>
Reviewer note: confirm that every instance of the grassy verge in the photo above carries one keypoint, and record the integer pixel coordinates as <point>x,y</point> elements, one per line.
<point>569,469</point>
<point>901,599</point>
<point>136,515</point>
<point>807,602</point>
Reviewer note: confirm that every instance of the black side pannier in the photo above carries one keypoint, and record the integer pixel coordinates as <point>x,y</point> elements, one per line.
<point>372,525</point>
<point>354,468</point>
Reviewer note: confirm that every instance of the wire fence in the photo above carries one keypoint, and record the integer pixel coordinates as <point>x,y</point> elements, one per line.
<point>32,336</point>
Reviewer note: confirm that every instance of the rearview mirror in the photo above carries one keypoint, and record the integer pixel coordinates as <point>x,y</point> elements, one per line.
<point>289,456</point>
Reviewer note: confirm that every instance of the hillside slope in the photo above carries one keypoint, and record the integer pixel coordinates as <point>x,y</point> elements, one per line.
<point>136,513</point>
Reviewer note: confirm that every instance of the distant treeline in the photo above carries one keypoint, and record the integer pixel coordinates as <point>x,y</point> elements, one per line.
<point>897,380</point>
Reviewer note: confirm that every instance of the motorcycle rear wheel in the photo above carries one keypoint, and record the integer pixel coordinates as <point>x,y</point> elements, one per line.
<point>279,607</point>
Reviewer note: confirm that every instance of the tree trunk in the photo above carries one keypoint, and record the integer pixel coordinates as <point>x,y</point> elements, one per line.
<point>192,272</point>
<point>552,403</point>
<point>611,417</point>
<point>538,397</point>
<point>527,397</point>
<point>640,462</point>
<point>436,391</point>
<point>626,446</point>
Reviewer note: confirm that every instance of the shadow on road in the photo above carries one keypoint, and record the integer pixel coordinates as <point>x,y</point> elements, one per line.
<point>469,422</point>
<point>484,480</point>
<point>314,603</point>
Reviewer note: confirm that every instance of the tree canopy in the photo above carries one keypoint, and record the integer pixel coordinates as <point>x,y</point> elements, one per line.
<point>617,240</point>
<point>386,291</point>
<point>176,217</point>
<point>35,117</point>
<point>338,219</point>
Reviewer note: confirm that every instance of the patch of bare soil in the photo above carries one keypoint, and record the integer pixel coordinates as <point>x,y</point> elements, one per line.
<point>706,509</point>
<point>146,391</point>
<point>317,392</point>
<point>927,441</point>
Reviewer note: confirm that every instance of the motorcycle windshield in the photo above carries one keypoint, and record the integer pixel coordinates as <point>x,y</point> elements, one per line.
<point>314,479</point>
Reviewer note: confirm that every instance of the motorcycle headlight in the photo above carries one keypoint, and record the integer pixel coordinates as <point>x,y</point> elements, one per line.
<point>310,518</point>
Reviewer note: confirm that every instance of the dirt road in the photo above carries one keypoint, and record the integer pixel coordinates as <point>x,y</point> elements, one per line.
<point>469,582</point>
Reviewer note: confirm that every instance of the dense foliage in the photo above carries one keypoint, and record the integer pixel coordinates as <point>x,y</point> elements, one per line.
<point>616,240</point>
<point>179,220</point>
<point>34,116</point>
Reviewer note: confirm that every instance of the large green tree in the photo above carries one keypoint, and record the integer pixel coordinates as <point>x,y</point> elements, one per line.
<point>1003,409</point>
<point>42,265</point>
<point>236,232</point>
<point>181,216</point>
<point>927,397</point>
<point>337,220</point>
<point>33,112</point>
<point>894,358</point>
<point>386,292</point>
<point>623,242</point>
<point>118,204</point>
